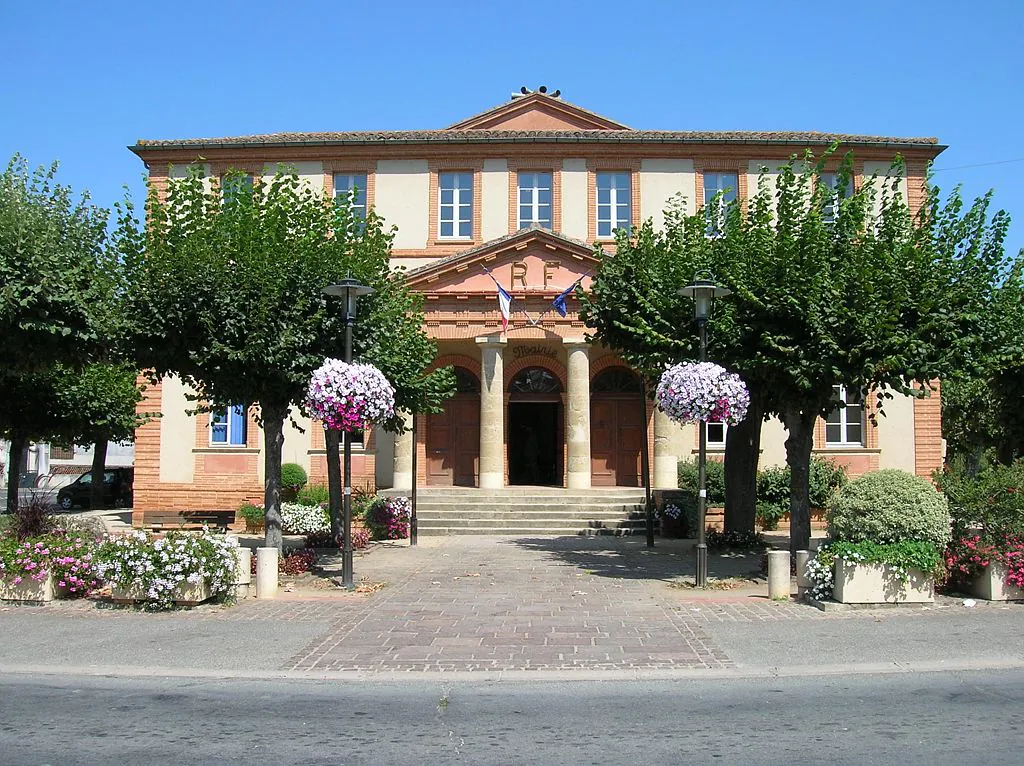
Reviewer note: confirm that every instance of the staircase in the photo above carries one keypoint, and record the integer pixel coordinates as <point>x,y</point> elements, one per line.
<point>529,511</point>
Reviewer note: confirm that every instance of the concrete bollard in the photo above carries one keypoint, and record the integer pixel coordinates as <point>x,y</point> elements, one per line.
<point>244,578</point>
<point>778,574</point>
<point>266,572</point>
<point>802,581</point>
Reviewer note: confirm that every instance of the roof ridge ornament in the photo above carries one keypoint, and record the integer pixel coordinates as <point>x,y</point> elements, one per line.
<point>543,90</point>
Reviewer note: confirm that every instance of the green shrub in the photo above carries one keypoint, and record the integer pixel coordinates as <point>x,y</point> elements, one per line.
<point>293,479</point>
<point>313,494</point>
<point>890,506</point>
<point>769,515</point>
<point>252,513</point>
<point>715,479</point>
<point>824,478</point>
<point>988,499</point>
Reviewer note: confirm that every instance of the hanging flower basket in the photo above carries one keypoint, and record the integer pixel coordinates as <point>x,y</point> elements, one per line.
<point>702,391</point>
<point>348,397</point>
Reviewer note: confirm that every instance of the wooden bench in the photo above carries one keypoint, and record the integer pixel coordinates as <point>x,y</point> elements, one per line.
<point>163,520</point>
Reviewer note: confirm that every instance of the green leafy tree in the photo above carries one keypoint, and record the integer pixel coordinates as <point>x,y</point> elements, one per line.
<point>227,286</point>
<point>51,256</point>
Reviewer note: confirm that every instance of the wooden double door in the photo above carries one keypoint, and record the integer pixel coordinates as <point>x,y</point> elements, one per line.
<point>453,443</point>
<point>616,438</point>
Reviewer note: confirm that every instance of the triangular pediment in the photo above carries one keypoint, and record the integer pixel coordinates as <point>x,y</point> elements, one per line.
<point>538,111</point>
<point>529,262</point>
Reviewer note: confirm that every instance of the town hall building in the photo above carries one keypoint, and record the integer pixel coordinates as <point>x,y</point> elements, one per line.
<point>517,196</point>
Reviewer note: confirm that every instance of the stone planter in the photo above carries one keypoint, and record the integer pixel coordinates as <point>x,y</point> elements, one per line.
<point>991,585</point>
<point>877,584</point>
<point>39,591</point>
<point>185,594</point>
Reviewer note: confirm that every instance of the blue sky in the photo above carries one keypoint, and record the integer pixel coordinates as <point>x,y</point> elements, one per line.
<point>84,80</point>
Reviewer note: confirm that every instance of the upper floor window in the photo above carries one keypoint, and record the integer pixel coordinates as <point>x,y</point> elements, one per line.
<point>845,425</point>
<point>614,203</point>
<point>234,186</point>
<point>455,198</point>
<point>831,206</point>
<point>351,187</point>
<point>720,190</point>
<point>534,200</point>
<point>228,425</point>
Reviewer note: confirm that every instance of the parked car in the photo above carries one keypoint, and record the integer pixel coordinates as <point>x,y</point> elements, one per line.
<point>117,489</point>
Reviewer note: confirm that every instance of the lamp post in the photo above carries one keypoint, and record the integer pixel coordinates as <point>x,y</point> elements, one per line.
<point>703,292</point>
<point>350,289</point>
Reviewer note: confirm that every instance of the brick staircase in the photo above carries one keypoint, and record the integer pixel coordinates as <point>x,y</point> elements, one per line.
<point>529,511</point>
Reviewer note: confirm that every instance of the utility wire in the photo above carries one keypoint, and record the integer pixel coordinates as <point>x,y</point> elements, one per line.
<point>979,165</point>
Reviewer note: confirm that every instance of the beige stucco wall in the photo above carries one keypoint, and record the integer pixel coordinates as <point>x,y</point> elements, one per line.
<point>177,433</point>
<point>876,175</point>
<point>771,177</point>
<point>297,443</point>
<point>494,199</point>
<point>574,198</point>
<point>311,174</point>
<point>773,443</point>
<point>182,171</point>
<point>896,434</point>
<point>660,180</point>
<point>401,196</point>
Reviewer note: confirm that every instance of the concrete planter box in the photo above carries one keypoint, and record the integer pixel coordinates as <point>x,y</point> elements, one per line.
<point>877,584</point>
<point>991,585</point>
<point>31,590</point>
<point>185,594</point>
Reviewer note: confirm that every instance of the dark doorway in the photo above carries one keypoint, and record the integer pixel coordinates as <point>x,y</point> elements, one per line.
<point>534,443</point>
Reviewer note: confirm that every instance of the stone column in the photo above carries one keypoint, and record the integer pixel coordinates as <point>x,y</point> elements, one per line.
<point>666,453</point>
<point>492,413</point>
<point>577,416</point>
<point>403,455</point>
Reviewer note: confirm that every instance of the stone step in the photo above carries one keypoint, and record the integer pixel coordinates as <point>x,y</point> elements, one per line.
<point>535,523</point>
<point>527,515</point>
<point>513,531</point>
<point>619,494</point>
<point>543,508</point>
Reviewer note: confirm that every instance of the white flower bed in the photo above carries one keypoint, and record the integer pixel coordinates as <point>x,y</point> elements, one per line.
<point>304,519</point>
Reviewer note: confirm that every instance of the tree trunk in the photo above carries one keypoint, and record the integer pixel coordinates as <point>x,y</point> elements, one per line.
<point>14,468</point>
<point>800,425</point>
<point>273,436</point>
<point>742,452</point>
<point>99,463</point>
<point>333,443</point>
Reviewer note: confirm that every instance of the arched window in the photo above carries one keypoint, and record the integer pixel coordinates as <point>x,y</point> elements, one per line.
<point>466,382</point>
<point>535,380</point>
<point>615,380</point>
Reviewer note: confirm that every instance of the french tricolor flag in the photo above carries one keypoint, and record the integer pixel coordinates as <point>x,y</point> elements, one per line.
<point>504,301</point>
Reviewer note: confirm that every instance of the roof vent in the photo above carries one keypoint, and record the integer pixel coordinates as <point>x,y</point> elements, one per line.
<point>543,89</point>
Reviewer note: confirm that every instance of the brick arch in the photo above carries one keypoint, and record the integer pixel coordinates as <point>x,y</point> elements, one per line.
<point>553,366</point>
<point>606,361</point>
<point>457,360</point>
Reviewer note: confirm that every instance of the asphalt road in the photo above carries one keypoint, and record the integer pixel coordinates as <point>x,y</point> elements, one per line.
<point>908,718</point>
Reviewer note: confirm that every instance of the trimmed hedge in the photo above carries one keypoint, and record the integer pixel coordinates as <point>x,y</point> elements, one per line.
<point>890,506</point>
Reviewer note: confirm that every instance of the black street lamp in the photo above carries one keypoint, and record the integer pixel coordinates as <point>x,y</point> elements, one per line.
<point>703,292</point>
<point>349,289</point>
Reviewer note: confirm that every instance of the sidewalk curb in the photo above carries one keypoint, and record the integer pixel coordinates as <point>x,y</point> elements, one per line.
<point>519,676</point>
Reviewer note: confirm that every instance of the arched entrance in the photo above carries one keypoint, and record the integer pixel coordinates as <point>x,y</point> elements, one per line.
<point>616,428</point>
<point>453,436</point>
<point>535,428</point>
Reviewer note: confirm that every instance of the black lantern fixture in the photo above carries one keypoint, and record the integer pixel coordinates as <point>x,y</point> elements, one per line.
<point>351,290</point>
<point>703,292</point>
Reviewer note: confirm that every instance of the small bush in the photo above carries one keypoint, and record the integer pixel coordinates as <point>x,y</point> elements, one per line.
<point>824,478</point>
<point>890,506</point>
<point>718,540</point>
<point>990,499</point>
<point>252,513</point>
<point>313,494</point>
<point>293,479</point>
<point>33,519</point>
<point>388,518</point>
<point>360,539</point>
<point>299,519</point>
<point>769,515</point>
<point>715,479</point>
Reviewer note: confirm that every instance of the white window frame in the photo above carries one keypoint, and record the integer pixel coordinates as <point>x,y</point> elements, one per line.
<point>461,186</point>
<point>841,416</point>
<point>618,197</point>
<point>357,202</point>
<point>533,182</point>
<point>229,431</point>
<point>716,216</point>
